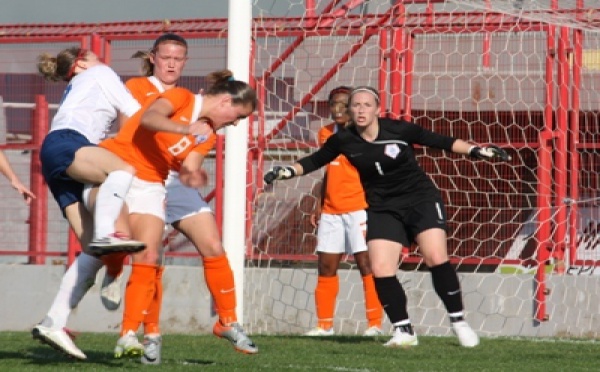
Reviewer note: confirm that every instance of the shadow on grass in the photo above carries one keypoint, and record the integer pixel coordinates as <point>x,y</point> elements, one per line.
<point>341,339</point>
<point>46,356</point>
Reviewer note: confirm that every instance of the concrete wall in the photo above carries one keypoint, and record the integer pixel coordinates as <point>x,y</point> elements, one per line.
<point>281,301</point>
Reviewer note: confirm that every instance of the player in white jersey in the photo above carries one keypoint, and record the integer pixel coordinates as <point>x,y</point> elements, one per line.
<point>186,210</point>
<point>93,99</point>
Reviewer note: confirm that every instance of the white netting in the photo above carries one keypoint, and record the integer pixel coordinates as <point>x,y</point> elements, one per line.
<point>575,14</point>
<point>478,78</point>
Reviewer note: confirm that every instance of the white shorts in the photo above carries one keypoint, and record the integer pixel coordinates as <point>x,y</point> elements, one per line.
<point>182,201</point>
<point>342,233</point>
<point>146,198</point>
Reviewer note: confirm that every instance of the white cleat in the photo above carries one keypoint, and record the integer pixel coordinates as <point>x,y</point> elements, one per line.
<point>129,346</point>
<point>402,339</point>
<point>152,346</point>
<point>115,243</point>
<point>466,336</point>
<point>110,292</point>
<point>237,336</point>
<point>373,332</point>
<point>320,332</point>
<point>58,339</point>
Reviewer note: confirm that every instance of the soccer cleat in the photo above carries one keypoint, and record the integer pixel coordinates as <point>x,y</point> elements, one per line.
<point>110,293</point>
<point>466,336</point>
<point>236,335</point>
<point>320,332</point>
<point>402,339</point>
<point>59,339</point>
<point>71,333</point>
<point>373,331</point>
<point>152,346</point>
<point>129,346</point>
<point>114,243</point>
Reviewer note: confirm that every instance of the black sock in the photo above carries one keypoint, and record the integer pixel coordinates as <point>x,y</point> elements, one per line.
<point>457,318</point>
<point>447,287</point>
<point>407,328</point>
<point>392,298</point>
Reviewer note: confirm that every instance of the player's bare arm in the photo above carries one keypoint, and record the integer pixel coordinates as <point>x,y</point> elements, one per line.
<point>156,118</point>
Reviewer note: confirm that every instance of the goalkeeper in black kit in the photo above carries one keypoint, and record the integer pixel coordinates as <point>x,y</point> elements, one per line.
<point>404,205</point>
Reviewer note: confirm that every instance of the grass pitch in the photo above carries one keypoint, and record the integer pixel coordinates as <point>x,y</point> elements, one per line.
<point>19,352</point>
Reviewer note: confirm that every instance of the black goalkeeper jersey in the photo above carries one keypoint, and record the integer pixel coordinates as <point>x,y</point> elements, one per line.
<point>389,172</point>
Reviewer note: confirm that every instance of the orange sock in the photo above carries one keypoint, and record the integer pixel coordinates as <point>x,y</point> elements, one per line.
<point>325,296</point>
<point>152,319</point>
<point>114,263</point>
<point>138,295</point>
<point>220,283</point>
<point>372,305</point>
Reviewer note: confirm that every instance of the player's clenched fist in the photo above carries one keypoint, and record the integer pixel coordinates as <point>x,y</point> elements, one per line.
<point>279,173</point>
<point>489,152</point>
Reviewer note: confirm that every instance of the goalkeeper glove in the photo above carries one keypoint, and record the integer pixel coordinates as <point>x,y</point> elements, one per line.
<point>279,173</point>
<point>489,152</point>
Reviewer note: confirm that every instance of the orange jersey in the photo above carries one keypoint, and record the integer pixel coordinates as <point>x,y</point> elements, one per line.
<point>154,153</point>
<point>144,88</point>
<point>343,192</point>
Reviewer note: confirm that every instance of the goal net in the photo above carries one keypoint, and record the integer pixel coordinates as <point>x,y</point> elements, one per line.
<point>577,14</point>
<point>483,71</point>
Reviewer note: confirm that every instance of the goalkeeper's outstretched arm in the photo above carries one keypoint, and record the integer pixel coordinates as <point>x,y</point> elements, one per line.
<point>480,152</point>
<point>307,164</point>
<point>283,172</point>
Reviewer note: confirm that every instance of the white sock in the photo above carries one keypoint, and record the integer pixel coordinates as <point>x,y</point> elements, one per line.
<point>110,199</point>
<point>78,279</point>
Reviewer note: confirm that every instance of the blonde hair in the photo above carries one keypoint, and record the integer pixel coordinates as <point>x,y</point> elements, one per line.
<point>365,88</point>
<point>222,81</point>
<point>61,66</point>
<point>147,65</point>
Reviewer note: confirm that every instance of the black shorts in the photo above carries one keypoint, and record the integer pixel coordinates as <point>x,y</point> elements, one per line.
<point>403,225</point>
<point>57,154</point>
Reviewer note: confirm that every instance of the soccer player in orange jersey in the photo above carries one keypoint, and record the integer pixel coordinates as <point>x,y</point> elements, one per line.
<point>167,133</point>
<point>186,209</point>
<point>341,228</point>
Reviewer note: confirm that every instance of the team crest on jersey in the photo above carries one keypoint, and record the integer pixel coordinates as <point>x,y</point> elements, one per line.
<point>392,150</point>
<point>200,138</point>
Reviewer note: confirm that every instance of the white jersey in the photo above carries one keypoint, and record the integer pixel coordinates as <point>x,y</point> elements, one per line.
<point>91,101</point>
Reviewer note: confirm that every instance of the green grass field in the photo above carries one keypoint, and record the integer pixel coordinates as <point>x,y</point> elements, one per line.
<point>19,352</point>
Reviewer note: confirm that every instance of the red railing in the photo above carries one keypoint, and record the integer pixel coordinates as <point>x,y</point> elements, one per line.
<point>38,209</point>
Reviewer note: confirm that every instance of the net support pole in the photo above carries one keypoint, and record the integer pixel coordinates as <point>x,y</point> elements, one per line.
<point>3,124</point>
<point>236,149</point>
<point>38,209</point>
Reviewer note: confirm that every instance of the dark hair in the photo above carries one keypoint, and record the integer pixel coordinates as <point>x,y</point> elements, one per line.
<point>169,37</point>
<point>62,66</point>
<point>222,81</point>
<point>147,66</point>
<point>343,89</point>
<point>365,88</point>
